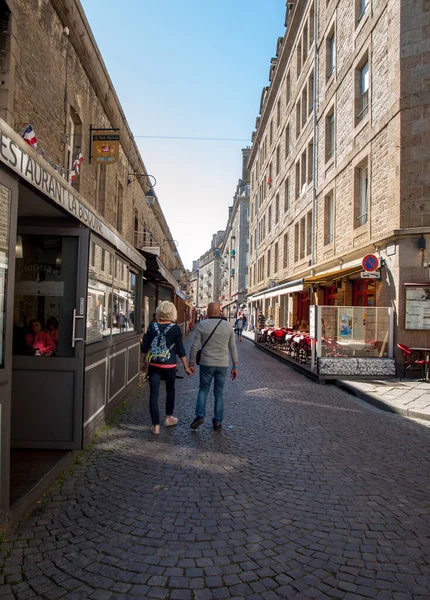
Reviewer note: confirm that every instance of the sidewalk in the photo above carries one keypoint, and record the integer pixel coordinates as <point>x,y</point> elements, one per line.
<point>409,398</point>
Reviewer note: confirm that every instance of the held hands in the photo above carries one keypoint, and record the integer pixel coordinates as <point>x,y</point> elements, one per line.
<point>190,371</point>
<point>234,373</point>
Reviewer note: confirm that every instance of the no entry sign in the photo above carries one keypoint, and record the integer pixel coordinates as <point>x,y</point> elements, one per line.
<point>370,263</point>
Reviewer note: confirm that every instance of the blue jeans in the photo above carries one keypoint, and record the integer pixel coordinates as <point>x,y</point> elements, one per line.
<point>218,374</point>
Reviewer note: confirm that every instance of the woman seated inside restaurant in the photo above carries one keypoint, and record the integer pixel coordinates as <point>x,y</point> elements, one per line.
<point>52,329</point>
<point>39,342</point>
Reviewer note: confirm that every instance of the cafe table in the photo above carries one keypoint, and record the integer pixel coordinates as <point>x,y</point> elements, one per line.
<point>426,353</point>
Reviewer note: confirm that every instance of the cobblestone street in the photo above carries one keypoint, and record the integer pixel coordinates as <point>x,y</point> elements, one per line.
<point>306,493</point>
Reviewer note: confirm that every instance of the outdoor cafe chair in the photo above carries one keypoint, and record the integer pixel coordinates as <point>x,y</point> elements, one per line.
<point>411,360</point>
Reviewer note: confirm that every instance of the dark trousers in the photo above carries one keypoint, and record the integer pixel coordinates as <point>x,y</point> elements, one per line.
<point>156,374</point>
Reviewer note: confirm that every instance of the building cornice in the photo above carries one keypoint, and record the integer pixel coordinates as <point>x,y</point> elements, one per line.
<point>287,46</point>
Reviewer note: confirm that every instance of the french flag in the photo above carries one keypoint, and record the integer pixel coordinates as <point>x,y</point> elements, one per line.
<point>30,137</point>
<point>77,162</point>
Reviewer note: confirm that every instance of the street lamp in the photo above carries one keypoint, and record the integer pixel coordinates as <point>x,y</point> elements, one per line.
<point>135,176</point>
<point>175,251</point>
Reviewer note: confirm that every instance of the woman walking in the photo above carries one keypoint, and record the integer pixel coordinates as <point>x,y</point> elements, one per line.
<point>238,326</point>
<point>163,342</point>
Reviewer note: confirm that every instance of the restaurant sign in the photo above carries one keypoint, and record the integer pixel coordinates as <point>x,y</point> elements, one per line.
<point>417,313</point>
<point>105,146</point>
<point>17,155</point>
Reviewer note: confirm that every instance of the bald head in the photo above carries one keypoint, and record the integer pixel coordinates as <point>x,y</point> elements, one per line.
<point>214,309</point>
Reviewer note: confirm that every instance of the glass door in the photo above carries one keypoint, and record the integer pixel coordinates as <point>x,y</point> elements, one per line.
<point>8,204</point>
<point>48,337</point>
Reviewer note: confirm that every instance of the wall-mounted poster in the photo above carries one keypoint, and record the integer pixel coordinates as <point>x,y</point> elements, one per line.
<point>417,311</point>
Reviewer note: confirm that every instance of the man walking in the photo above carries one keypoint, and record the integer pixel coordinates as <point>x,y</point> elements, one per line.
<point>215,337</point>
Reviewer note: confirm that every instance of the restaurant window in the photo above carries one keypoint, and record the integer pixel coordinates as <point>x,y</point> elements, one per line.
<point>99,297</point>
<point>330,295</point>
<point>5,200</point>
<point>364,292</point>
<point>45,295</point>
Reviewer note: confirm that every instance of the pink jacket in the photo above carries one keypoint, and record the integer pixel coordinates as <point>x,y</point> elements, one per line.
<point>40,341</point>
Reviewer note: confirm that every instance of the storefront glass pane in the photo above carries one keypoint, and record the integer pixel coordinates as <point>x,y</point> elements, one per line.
<point>99,297</point>
<point>45,286</point>
<point>358,331</point>
<point>5,195</point>
<point>123,298</point>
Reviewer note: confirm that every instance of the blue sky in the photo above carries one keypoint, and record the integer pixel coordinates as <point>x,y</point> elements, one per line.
<point>190,68</point>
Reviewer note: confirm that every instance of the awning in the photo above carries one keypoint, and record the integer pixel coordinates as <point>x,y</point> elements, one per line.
<point>180,295</point>
<point>279,290</point>
<point>333,275</point>
<point>424,284</point>
<point>166,274</point>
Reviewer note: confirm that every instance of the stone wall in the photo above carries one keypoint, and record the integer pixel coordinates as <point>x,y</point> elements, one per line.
<point>375,139</point>
<point>59,77</point>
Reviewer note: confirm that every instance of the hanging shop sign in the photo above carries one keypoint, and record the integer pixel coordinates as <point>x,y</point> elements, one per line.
<point>16,154</point>
<point>104,144</point>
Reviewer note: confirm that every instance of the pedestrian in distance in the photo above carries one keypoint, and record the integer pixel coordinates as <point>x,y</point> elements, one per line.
<point>163,343</point>
<point>261,320</point>
<point>215,339</point>
<point>238,327</point>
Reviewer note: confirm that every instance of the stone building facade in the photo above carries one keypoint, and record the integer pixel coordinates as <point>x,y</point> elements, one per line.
<point>209,274</point>
<point>84,259</point>
<point>235,247</point>
<point>339,162</point>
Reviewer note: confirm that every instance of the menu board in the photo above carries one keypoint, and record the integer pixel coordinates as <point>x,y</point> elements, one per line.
<point>418,307</point>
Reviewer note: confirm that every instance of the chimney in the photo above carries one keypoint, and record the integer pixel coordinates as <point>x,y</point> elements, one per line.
<point>245,159</point>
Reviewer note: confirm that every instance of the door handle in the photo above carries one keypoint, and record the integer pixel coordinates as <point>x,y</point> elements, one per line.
<point>74,338</point>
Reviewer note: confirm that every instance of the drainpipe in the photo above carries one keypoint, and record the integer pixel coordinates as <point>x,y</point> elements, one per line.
<point>314,167</point>
<point>315,145</point>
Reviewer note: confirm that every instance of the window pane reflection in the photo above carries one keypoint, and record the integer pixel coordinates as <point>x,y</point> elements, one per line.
<point>5,195</point>
<point>99,298</point>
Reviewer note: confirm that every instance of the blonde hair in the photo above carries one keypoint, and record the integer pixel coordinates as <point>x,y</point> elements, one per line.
<point>166,311</point>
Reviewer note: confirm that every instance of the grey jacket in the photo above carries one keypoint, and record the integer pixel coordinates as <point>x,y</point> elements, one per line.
<point>217,350</point>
